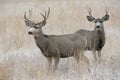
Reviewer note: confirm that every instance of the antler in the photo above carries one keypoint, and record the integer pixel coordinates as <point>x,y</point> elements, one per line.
<point>43,16</point>
<point>27,21</point>
<point>31,23</point>
<point>46,15</point>
<point>106,12</point>
<point>25,16</point>
<point>90,17</point>
<point>106,16</point>
<point>30,12</point>
<point>89,11</point>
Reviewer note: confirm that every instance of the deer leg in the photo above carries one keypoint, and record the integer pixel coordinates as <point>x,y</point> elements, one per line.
<point>77,57</point>
<point>49,63</point>
<point>56,60</point>
<point>85,59</point>
<point>99,55</point>
<point>95,57</point>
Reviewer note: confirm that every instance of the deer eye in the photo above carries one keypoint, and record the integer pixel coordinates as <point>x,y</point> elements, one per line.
<point>95,21</point>
<point>36,27</point>
<point>101,21</point>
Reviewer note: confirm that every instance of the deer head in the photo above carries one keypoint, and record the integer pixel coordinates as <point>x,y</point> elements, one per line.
<point>36,27</point>
<point>98,21</point>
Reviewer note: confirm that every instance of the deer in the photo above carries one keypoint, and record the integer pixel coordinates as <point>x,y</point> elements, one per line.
<point>54,47</point>
<point>95,38</point>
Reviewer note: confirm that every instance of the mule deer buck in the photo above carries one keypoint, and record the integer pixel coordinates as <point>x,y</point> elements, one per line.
<point>54,47</point>
<point>96,38</point>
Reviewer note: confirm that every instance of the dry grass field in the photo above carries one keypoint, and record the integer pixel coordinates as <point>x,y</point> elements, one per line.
<point>20,59</point>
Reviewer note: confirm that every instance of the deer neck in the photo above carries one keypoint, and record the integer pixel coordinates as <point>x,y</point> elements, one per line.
<point>99,37</point>
<point>99,31</point>
<point>41,41</point>
<point>40,35</point>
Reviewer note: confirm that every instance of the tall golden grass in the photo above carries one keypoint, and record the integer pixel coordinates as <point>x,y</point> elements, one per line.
<point>20,59</point>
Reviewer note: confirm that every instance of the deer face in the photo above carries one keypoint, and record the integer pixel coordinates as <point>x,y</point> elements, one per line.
<point>35,28</point>
<point>99,21</point>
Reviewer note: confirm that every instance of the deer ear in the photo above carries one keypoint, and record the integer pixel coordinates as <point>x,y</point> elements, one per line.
<point>41,24</point>
<point>105,18</point>
<point>90,18</point>
<point>29,23</point>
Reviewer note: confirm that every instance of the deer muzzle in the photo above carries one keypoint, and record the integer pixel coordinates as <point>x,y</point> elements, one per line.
<point>30,33</point>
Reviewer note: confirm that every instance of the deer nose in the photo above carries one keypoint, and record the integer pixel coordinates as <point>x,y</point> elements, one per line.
<point>29,32</point>
<point>98,26</point>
